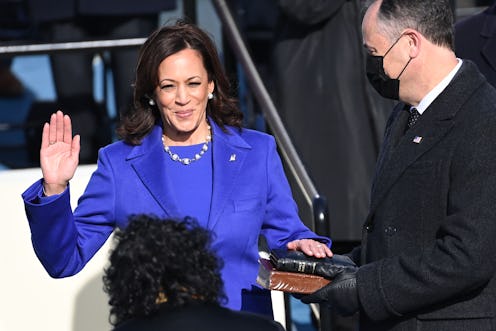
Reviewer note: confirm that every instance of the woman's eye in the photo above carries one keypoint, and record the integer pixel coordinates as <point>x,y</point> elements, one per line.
<point>167,87</point>
<point>194,83</point>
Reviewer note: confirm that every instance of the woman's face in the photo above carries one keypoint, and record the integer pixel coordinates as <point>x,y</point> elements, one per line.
<point>182,95</point>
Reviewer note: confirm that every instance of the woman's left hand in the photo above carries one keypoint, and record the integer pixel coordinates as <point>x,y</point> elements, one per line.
<point>310,247</point>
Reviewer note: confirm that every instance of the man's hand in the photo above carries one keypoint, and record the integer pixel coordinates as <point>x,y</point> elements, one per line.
<point>341,294</point>
<point>341,263</point>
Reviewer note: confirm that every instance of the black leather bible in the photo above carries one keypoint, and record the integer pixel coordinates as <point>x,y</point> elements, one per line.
<point>296,261</point>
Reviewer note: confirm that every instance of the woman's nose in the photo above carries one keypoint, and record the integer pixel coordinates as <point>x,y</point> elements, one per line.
<point>182,96</point>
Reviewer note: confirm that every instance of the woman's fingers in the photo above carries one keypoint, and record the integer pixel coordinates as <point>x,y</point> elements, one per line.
<point>52,132</point>
<point>76,147</point>
<point>327,251</point>
<point>67,132</point>
<point>310,247</point>
<point>60,130</point>
<point>45,135</point>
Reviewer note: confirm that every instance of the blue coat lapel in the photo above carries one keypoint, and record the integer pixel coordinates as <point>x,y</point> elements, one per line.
<point>229,155</point>
<point>148,161</point>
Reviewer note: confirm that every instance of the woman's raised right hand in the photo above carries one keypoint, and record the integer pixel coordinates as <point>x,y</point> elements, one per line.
<point>59,153</point>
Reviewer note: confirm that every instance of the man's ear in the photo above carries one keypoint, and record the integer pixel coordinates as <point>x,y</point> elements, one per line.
<point>415,40</point>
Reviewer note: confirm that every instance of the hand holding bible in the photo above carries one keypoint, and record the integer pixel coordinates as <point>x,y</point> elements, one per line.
<point>340,294</point>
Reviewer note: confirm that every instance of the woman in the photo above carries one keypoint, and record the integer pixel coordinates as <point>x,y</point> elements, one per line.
<point>183,153</point>
<point>162,272</point>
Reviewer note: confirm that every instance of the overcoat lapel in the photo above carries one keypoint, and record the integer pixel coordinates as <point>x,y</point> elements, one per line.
<point>432,126</point>
<point>407,152</point>
<point>148,161</point>
<point>229,154</point>
<point>393,136</point>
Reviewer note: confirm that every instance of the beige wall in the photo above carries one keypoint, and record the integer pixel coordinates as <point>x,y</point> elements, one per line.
<point>29,298</point>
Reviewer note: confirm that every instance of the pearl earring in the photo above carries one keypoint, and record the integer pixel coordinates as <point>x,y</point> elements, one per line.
<point>151,102</point>
<point>210,96</point>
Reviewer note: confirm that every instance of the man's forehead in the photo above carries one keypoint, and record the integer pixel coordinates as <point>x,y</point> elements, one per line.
<point>369,21</point>
<point>371,35</point>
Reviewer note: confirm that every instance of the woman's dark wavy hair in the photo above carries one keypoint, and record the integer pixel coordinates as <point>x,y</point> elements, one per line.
<point>155,255</point>
<point>166,41</point>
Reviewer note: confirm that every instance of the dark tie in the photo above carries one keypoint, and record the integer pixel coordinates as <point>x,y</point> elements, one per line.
<point>413,117</point>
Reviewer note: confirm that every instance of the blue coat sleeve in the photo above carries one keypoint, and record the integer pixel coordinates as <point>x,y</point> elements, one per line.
<point>63,240</point>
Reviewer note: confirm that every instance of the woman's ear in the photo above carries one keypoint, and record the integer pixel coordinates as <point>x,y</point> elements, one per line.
<point>211,86</point>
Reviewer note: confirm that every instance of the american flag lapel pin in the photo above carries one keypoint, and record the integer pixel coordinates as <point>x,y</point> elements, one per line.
<point>417,139</point>
<point>232,158</point>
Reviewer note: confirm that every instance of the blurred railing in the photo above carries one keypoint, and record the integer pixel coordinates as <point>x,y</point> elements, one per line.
<point>28,49</point>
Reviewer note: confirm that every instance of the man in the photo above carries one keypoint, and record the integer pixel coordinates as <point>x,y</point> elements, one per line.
<point>426,260</point>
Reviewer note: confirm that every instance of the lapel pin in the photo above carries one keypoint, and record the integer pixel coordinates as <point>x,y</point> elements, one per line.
<point>417,139</point>
<point>232,158</point>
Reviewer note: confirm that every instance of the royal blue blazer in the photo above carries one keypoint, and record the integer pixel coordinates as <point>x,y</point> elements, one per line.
<point>251,196</point>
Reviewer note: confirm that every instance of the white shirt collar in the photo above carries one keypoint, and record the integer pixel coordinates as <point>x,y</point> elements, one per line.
<point>432,95</point>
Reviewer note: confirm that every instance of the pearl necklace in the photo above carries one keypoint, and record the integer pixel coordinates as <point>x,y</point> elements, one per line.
<point>186,160</point>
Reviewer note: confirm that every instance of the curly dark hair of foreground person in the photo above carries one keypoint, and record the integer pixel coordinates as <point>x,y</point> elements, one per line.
<point>160,261</point>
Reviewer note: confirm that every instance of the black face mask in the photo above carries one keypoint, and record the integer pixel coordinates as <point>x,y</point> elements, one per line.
<point>383,84</point>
